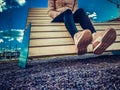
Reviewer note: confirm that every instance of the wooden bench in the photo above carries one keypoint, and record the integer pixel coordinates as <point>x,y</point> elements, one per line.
<point>52,39</point>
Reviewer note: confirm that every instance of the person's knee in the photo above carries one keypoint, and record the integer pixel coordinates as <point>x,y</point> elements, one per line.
<point>81,10</point>
<point>68,11</point>
<point>68,15</point>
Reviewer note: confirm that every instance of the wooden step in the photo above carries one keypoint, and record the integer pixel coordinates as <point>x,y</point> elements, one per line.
<point>37,13</point>
<point>55,41</point>
<point>55,34</point>
<point>39,18</point>
<point>47,23</point>
<point>61,50</point>
<point>51,42</point>
<point>38,9</point>
<point>63,28</point>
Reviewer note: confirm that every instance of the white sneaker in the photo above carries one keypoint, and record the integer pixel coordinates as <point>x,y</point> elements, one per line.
<point>82,40</point>
<point>102,40</point>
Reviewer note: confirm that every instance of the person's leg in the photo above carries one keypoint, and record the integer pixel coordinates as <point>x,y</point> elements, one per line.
<point>59,18</point>
<point>67,18</point>
<point>69,22</point>
<point>101,40</point>
<point>82,39</point>
<point>81,17</point>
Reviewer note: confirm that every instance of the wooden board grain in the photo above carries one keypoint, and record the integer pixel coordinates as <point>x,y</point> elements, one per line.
<point>60,50</point>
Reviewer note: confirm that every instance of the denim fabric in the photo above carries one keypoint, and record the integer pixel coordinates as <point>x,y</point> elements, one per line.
<point>81,18</point>
<point>70,19</point>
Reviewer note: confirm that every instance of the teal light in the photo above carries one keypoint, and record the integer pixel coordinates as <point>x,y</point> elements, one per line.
<point>25,48</point>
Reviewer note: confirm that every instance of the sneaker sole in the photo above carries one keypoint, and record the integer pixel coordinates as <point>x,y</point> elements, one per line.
<point>84,41</point>
<point>108,38</point>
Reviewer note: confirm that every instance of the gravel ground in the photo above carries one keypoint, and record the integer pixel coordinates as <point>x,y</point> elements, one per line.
<point>101,73</point>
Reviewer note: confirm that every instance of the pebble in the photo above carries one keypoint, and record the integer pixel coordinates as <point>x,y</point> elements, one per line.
<point>65,75</point>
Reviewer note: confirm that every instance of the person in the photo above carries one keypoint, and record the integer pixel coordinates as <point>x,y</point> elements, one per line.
<point>67,11</point>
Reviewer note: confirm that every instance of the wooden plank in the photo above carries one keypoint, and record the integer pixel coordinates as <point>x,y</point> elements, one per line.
<point>52,51</point>
<point>56,41</point>
<point>63,28</point>
<point>55,34</point>
<point>114,46</point>
<point>49,35</point>
<point>48,28</point>
<point>61,50</point>
<point>39,21</point>
<point>39,18</point>
<point>33,9</point>
<point>61,24</point>
<point>53,42</point>
<point>39,15</point>
<point>38,12</point>
<point>41,9</point>
<point>46,24</point>
<point>47,18</point>
<point>49,22</point>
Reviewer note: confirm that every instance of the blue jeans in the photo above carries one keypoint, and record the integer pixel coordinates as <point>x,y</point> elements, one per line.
<point>70,19</point>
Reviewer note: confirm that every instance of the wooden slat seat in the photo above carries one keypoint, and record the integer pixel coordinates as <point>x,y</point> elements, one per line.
<point>52,39</point>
